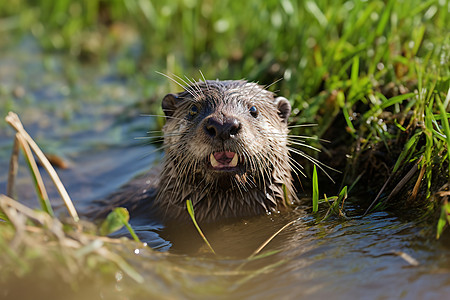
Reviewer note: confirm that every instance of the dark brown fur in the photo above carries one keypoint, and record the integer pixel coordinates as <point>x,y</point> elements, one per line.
<point>256,186</point>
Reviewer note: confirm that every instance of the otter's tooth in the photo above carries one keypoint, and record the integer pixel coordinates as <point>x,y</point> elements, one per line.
<point>214,162</point>
<point>234,161</point>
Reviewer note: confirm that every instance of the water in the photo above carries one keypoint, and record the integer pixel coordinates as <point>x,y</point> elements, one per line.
<point>93,124</point>
<point>88,114</point>
<point>376,257</point>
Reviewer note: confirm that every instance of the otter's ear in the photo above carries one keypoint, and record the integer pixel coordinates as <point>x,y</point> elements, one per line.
<point>284,108</point>
<point>169,104</point>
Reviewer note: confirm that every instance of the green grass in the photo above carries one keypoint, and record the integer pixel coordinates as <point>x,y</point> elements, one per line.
<point>190,209</point>
<point>315,191</point>
<point>373,75</point>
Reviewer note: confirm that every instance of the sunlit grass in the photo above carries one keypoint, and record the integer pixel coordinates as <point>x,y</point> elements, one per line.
<point>382,66</point>
<point>315,191</point>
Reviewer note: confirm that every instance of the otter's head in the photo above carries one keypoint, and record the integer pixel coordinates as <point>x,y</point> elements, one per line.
<point>226,150</point>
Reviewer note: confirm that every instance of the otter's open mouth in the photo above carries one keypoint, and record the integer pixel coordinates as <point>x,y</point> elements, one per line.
<point>224,161</point>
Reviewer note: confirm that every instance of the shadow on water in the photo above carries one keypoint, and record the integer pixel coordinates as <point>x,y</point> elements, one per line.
<point>376,257</point>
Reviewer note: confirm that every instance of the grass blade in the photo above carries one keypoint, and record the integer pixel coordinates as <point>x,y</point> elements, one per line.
<point>443,219</point>
<point>409,148</point>
<point>190,209</point>
<point>384,18</point>
<point>312,7</point>
<point>350,126</point>
<point>315,195</point>
<point>36,175</point>
<point>13,167</point>
<point>270,239</point>
<point>445,124</point>
<point>355,71</point>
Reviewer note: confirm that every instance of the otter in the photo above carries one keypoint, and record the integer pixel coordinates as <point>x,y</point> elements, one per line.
<point>226,150</point>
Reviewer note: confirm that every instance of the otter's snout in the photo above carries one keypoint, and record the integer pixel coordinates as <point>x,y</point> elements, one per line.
<point>222,128</point>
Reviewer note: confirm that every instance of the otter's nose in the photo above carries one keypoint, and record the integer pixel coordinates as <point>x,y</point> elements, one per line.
<point>225,129</point>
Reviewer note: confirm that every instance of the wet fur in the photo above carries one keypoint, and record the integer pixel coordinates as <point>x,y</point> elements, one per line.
<point>255,189</point>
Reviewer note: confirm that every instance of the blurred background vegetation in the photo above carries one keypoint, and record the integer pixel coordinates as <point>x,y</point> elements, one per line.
<point>312,45</point>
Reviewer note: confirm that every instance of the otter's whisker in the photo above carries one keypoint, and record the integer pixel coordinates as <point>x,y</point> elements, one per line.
<point>151,137</point>
<point>176,82</point>
<point>303,125</point>
<point>305,145</point>
<point>167,117</point>
<point>190,88</point>
<point>195,87</point>
<point>315,138</point>
<point>238,186</point>
<point>266,87</point>
<point>205,81</point>
<point>297,167</point>
<point>185,87</point>
<point>316,162</point>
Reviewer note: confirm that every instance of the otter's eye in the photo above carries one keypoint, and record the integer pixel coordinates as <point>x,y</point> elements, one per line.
<point>253,111</point>
<point>194,110</point>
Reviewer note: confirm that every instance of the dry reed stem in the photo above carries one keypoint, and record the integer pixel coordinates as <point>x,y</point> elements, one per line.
<point>270,239</point>
<point>13,120</point>
<point>13,167</point>
<point>7,203</point>
<point>404,180</point>
<point>36,174</point>
<point>417,185</point>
